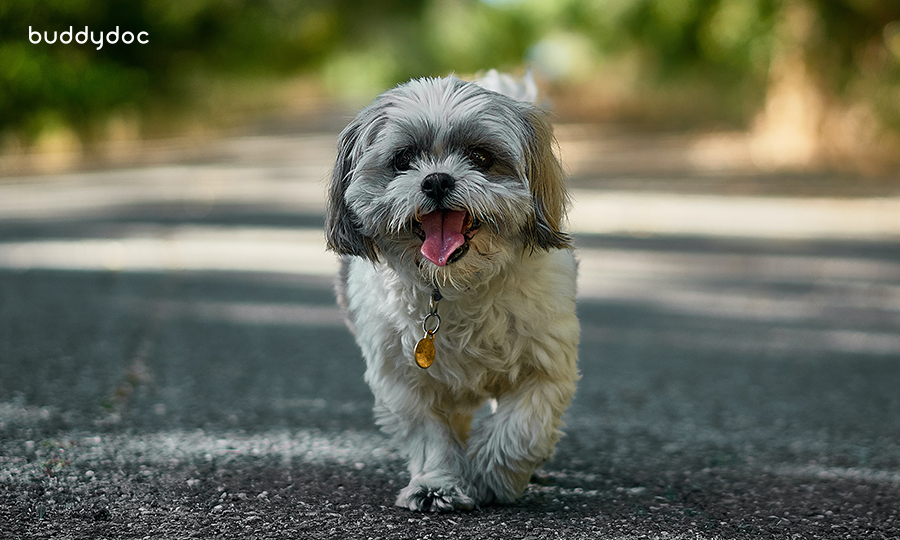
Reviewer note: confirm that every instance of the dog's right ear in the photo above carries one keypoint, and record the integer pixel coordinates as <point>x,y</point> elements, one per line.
<point>343,233</point>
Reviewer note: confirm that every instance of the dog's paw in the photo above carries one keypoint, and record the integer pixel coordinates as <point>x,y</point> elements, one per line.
<point>422,496</point>
<point>499,485</point>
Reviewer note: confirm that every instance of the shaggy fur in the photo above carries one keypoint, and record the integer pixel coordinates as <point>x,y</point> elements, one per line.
<point>508,334</point>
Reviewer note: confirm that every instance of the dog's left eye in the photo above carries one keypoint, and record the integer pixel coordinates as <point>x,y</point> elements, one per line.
<point>481,158</point>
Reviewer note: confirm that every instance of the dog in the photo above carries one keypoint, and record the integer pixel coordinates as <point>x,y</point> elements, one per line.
<point>447,205</point>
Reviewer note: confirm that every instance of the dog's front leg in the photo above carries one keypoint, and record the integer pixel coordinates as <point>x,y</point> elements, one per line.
<point>436,458</point>
<point>507,446</point>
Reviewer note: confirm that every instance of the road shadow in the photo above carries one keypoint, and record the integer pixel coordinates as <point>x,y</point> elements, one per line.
<point>730,387</point>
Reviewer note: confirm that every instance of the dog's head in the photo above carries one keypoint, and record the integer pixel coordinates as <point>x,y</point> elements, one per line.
<point>447,176</point>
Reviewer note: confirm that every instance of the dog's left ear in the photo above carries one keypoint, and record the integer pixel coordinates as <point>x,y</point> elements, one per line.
<point>343,234</point>
<point>547,181</point>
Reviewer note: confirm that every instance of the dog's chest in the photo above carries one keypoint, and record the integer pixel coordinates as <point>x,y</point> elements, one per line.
<point>495,332</point>
<point>488,336</point>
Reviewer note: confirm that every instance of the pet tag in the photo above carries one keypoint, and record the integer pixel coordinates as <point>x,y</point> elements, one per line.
<point>425,351</point>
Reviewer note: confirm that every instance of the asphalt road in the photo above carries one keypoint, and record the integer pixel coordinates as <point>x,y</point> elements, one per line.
<point>172,364</point>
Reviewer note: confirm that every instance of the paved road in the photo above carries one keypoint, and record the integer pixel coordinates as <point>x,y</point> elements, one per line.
<point>172,364</point>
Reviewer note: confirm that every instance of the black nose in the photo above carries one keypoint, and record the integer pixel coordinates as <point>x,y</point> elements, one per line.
<point>438,185</point>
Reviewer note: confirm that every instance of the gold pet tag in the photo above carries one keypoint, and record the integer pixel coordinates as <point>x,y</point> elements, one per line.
<point>425,351</point>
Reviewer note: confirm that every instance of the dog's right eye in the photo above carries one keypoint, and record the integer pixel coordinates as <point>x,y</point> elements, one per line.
<point>403,160</point>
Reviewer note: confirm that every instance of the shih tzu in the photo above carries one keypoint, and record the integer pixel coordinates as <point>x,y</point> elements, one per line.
<point>447,204</point>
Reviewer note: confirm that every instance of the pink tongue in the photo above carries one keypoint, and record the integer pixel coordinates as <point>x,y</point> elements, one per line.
<point>443,234</point>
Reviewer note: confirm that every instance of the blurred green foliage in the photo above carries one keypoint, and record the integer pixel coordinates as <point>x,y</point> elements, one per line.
<point>188,40</point>
<point>721,49</point>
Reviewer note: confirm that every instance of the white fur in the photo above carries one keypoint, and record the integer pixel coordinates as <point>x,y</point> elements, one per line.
<point>508,329</point>
<point>524,89</point>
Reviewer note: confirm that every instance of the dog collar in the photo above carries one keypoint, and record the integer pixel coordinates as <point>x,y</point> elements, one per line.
<point>424,354</point>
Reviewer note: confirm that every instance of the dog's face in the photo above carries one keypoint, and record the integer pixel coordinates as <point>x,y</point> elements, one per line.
<point>448,178</point>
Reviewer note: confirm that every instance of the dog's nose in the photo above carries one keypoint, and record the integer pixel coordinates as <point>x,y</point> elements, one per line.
<point>437,185</point>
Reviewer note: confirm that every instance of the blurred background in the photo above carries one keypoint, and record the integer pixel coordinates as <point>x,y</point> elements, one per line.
<point>811,84</point>
<point>166,298</point>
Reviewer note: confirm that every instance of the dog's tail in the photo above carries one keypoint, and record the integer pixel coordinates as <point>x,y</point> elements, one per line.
<point>520,89</point>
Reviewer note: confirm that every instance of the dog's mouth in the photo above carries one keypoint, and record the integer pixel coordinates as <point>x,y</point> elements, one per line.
<point>445,235</point>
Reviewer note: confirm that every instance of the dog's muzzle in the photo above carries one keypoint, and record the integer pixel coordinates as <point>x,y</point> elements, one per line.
<point>445,232</point>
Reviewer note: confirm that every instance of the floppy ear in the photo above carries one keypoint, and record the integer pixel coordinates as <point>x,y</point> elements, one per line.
<point>342,230</point>
<point>547,182</point>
